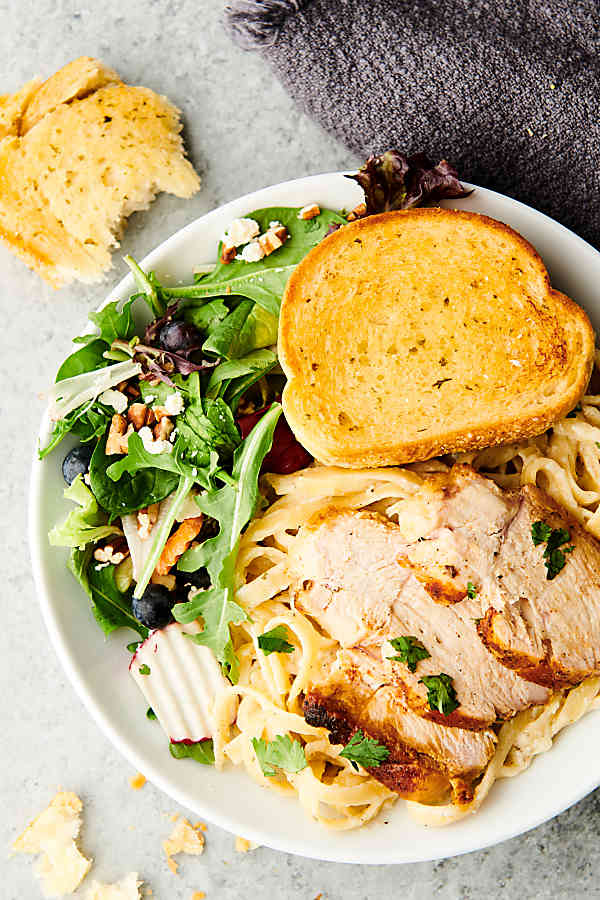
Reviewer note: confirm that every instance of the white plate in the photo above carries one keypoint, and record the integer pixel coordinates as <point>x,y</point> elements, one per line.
<point>98,668</point>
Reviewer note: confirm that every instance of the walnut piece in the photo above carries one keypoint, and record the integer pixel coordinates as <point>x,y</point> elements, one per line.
<point>358,212</point>
<point>310,211</point>
<point>137,415</point>
<point>113,552</point>
<point>118,435</point>
<point>163,429</point>
<point>146,519</point>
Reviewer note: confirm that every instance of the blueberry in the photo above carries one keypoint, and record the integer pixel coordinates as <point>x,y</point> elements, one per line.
<point>199,579</point>
<point>77,462</point>
<point>153,609</point>
<point>177,336</point>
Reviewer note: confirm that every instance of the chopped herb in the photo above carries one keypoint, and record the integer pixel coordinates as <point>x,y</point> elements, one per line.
<point>144,669</point>
<point>410,651</point>
<point>275,641</point>
<point>540,532</point>
<point>364,751</point>
<point>440,693</point>
<point>150,714</point>
<point>555,538</point>
<point>282,752</point>
<point>576,409</point>
<point>200,751</point>
<point>471,591</point>
<point>132,647</point>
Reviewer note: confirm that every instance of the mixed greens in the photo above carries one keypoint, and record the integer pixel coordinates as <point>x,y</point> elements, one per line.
<point>175,420</point>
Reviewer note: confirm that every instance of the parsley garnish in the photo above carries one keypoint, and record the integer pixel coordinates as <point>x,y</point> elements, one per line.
<point>275,641</point>
<point>440,693</point>
<point>200,751</point>
<point>471,591</point>
<point>282,752</point>
<point>554,538</point>
<point>150,714</point>
<point>365,751</point>
<point>144,669</point>
<point>410,651</point>
<point>576,409</point>
<point>133,646</point>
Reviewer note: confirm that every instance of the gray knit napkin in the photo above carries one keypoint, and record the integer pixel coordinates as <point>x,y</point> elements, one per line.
<point>507,91</point>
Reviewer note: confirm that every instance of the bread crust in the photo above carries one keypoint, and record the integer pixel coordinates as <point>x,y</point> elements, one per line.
<point>298,326</point>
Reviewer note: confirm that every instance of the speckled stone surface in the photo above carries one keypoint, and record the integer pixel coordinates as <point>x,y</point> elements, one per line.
<point>243,133</point>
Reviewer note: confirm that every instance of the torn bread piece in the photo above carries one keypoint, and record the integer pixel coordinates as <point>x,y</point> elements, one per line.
<point>185,838</point>
<point>128,888</point>
<point>75,80</point>
<point>61,867</point>
<point>80,154</point>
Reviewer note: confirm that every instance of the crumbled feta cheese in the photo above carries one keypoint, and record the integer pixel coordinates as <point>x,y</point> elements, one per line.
<point>275,224</point>
<point>152,445</point>
<point>174,404</point>
<point>173,436</point>
<point>149,399</point>
<point>128,888</point>
<point>61,867</point>
<point>116,399</point>
<point>240,231</point>
<point>252,252</point>
<point>183,839</point>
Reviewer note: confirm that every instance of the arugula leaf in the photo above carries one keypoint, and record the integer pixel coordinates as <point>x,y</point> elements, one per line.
<point>132,491</point>
<point>440,693</point>
<point>111,608</point>
<point>88,422</point>
<point>222,378</point>
<point>275,641</point>
<point>84,525</point>
<point>282,752</point>
<point>410,651</point>
<point>86,359</point>
<point>201,751</point>
<point>232,506</point>
<point>540,532</point>
<point>114,324</point>
<point>160,534</point>
<point>364,751</point>
<point>471,590</point>
<point>147,286</point>
<point>264,281</point>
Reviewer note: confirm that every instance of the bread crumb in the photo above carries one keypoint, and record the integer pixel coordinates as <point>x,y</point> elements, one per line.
<point>200,825</point>
<point>128,888</point>
<point>198,895</point>
<point>184,838</point>
<point>244,846</point>
<point>137,781</point>
<point>61,867</point>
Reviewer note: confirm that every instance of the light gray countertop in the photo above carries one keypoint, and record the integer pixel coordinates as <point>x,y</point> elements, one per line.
<point>243,133</point>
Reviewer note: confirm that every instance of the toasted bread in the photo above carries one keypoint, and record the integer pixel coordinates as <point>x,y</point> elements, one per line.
<point>411,334</point>
<point>79,155</point>
<point>13,106</point>
<point>75,80</point>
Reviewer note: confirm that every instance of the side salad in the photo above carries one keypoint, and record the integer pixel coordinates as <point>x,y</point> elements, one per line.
<point>176,420</point>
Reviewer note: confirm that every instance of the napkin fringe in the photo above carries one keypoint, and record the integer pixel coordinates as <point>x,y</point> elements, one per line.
<point>255,24</point>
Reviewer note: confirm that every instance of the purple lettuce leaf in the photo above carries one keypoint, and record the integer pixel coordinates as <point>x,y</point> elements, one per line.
<point>396,181</point>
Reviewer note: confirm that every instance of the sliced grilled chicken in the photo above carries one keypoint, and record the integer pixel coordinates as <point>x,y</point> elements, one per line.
<point>467,581</point>
<point>547,630</point>
<point>352,692</point>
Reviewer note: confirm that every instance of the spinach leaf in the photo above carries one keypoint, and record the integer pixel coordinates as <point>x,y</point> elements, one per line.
<point>225,340</point>
<point>232,506</point>
<point>264,281</point>
<point>114,324</point>
<point>86,359</point>
<point>111,608</point>
<point>206,316</point>
<point>132,491</point>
